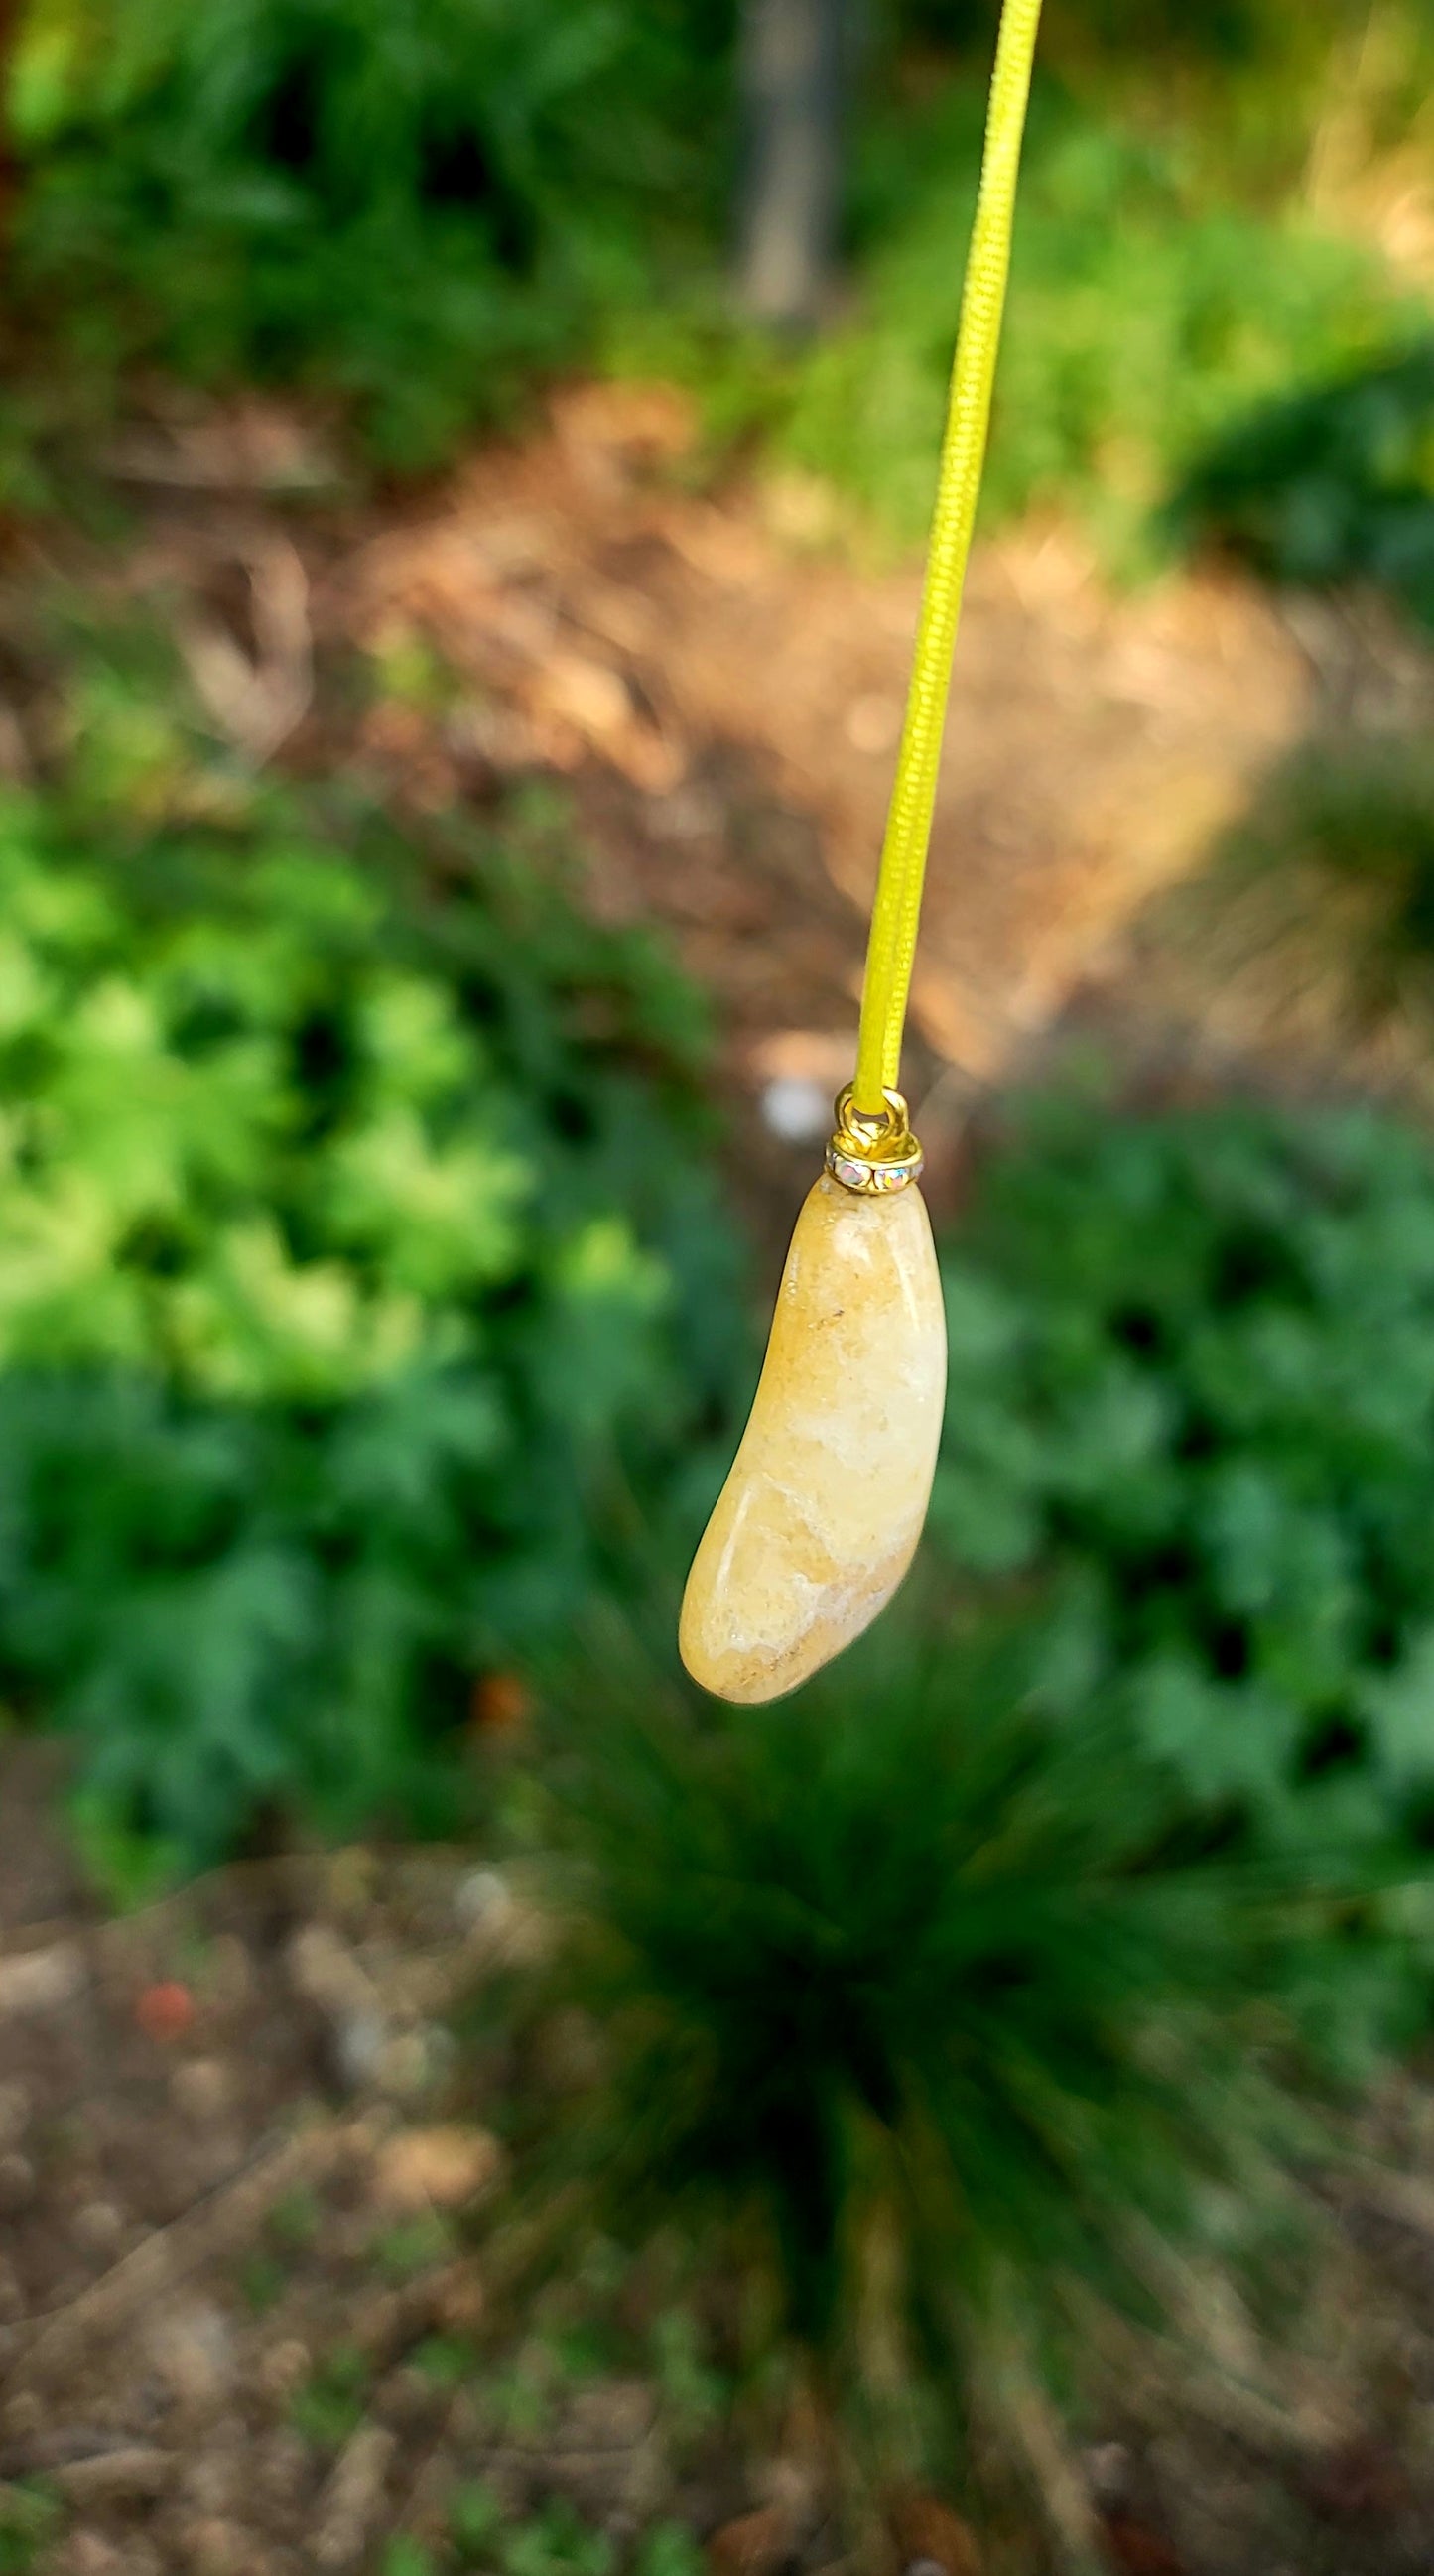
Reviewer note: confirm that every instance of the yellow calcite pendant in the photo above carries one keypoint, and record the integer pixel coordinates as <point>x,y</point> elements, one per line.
<point>821,1514</point>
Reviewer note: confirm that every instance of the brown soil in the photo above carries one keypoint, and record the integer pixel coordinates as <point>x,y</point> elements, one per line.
<point>682,646</point>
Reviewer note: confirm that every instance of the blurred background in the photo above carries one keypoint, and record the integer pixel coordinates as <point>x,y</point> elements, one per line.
<point>463,468</point>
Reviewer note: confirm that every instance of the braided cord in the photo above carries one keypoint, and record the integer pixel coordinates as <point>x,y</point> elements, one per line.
<point>891,949</point>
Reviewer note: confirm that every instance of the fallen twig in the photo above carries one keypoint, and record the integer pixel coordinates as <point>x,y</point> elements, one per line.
<point>225,2220</point>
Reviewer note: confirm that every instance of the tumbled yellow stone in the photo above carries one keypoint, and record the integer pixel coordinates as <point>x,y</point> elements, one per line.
<point>820,1516</point>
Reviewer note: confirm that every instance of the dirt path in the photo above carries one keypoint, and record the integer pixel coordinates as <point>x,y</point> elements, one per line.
<point>702,655</point>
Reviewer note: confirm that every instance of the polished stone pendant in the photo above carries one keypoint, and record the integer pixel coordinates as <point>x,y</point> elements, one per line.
<point>821,1514</point>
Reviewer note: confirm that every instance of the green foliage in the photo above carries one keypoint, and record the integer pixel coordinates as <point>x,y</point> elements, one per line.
<point>555,2541</point>
<point>475,2518</point>
<point>262,2283</point>
<point>31,2519</point>
<point>1253,89</point>
<point>1152,301</point>
<point>411,213</point>
<point>1147,307</point>
<point>329,2408</point>
<point>413,2245</point>
<point>669,2550</point>
<point>446,2361</point>
<point>405,2556</point>
<point>355,1247</point>
<point>693,2394</point>
<point>1326,888</point>
<point>1238,31</point>
<point>294,2221</point>
<point>1192,1378</point>
<point>916,2006</point>
<point>1334,484</point>
<point>410,208</point>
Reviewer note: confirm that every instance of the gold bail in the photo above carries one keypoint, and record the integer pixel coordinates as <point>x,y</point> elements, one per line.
<point>870,1154</point>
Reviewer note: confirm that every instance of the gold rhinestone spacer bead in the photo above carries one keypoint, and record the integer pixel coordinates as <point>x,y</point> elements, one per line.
<point>873,1155</point>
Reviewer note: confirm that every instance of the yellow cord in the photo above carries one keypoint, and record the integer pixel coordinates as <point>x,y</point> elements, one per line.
<point>892,945</point>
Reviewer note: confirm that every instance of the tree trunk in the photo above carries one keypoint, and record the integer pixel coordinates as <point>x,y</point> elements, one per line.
<point>795,57</point>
